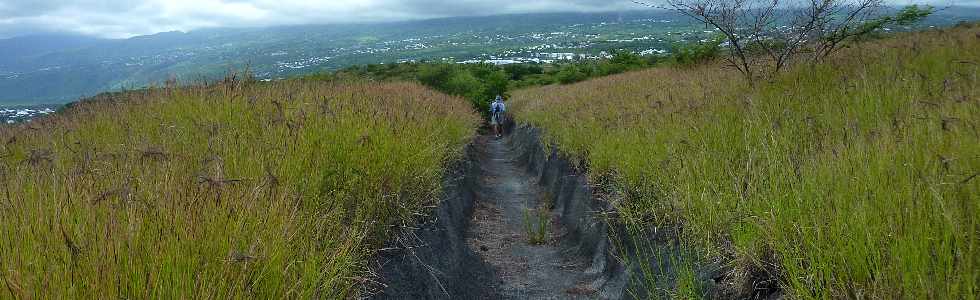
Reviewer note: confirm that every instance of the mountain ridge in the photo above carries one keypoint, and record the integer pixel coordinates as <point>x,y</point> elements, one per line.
<point>48,72</point>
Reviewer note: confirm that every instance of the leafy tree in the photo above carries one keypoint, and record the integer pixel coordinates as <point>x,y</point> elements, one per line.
<point>691,54</point>
<point>570,74</point>
<point>912,14</point>
<point>626,58</point>
<point>480,83</point>
<point>609,68</point>
<point>518,72</point>
<point>463,83</point>
<point>831,42</point>
<point>494,78</point>
<point>435,75</point>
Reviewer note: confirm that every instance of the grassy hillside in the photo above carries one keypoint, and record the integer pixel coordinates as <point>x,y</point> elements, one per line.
<point>278,190</point>
<point>856,178</point>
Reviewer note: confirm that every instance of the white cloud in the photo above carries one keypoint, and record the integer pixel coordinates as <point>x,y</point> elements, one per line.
<point>124,18</point>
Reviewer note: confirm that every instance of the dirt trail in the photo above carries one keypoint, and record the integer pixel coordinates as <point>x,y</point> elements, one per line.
<point>505,203</point>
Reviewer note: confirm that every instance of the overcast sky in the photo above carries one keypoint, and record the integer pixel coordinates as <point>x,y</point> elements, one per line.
<point>126,18</point>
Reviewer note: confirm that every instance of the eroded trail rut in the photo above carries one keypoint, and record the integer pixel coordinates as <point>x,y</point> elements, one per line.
<point>476,243</point>
<point>506,199</point>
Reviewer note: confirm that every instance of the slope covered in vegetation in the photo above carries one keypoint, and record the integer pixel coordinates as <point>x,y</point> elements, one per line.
<point>482,82</point>
<point>853,178</point>
<point>235,190</point>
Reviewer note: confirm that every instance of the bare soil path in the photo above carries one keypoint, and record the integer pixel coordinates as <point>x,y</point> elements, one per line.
<point>506,203</point>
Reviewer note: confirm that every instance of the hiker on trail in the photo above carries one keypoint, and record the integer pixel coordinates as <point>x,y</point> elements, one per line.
<point>497,109</point>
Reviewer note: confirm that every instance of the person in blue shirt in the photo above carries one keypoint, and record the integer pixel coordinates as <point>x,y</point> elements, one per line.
<point>497,110</point>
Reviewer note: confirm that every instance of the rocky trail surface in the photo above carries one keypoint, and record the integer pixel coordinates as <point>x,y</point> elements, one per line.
<point>514,231</point>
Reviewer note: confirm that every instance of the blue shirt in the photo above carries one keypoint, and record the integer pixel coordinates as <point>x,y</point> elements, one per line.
<point>498,104</point>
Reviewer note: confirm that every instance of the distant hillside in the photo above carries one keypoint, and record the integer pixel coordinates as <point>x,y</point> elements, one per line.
<point>14,50</point>
<point>65,74</point>
<point>62,68</point>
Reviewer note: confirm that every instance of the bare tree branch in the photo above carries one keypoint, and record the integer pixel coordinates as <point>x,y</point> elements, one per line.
<point>775,32</point>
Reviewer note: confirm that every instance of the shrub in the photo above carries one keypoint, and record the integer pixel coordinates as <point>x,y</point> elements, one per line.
<point>697,53</point>
<point>570,74</point>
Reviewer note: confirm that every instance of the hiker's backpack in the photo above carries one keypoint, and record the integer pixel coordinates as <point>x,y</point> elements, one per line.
<point>496,107</point>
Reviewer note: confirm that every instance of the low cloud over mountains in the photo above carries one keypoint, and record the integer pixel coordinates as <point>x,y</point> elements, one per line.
<point>123,18</point>
<point>126,18</point>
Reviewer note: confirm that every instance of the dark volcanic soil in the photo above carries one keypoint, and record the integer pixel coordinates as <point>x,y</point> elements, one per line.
<point>506,195</point>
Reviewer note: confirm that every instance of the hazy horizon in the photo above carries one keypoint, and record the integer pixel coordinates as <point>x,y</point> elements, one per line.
<point>102,18</point>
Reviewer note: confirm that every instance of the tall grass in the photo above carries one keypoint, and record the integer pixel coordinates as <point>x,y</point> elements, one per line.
<point>237,190</point>
<point>852,179</point>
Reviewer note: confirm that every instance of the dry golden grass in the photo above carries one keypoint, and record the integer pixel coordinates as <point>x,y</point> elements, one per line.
<point>236,190</point>
<point>856,178</point>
